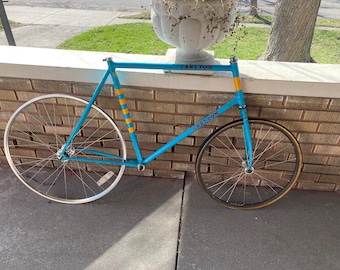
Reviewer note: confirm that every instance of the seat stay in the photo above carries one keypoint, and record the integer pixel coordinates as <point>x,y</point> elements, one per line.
<point>83,116</point>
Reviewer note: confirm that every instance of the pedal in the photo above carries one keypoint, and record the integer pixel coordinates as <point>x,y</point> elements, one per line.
<point>106,177</point>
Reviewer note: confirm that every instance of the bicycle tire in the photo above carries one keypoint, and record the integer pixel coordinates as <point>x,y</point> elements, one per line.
<point>40,127</point>
<point>222,173</point>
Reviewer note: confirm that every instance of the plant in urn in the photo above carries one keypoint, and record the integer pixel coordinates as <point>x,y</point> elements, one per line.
<point>191,26</point>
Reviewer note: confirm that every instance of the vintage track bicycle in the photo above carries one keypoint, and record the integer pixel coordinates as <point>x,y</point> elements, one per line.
<point>69,150</point>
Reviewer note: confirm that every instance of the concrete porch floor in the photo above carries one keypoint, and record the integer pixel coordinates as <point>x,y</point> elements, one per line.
<point>149,223</point>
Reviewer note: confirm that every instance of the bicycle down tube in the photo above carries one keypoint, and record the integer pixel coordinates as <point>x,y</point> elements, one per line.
<point>141,162</point>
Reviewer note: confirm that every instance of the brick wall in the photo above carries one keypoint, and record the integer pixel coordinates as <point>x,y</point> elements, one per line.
<point>160,114</point>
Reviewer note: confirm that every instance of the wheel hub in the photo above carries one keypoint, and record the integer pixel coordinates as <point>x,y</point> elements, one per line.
<point>70,151</point>
<point>247,170</point>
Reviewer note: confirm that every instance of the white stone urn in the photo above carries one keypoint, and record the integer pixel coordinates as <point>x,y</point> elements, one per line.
<point>192,25</point>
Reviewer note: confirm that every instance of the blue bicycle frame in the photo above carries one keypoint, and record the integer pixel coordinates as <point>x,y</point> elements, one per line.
<point>141,162</point>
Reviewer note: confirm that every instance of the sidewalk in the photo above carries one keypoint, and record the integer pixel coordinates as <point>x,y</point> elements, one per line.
<point>144,222</point>
<point>151,223</point>
<point>49,27</point>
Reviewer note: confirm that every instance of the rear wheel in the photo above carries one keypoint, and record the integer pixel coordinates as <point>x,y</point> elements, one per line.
<point>35,135</point>
<point>222,172</point>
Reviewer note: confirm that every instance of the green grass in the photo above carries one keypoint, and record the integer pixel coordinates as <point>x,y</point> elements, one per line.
<point>248,46</point>
<point>139,38</point>
<point>327,22</point>
<point>326,46</point>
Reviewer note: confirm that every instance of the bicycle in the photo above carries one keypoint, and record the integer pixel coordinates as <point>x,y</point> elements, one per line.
<point>54,144</point>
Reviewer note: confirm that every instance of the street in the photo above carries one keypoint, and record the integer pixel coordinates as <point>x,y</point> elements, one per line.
<point>122,5</point>
<point>328,9</point>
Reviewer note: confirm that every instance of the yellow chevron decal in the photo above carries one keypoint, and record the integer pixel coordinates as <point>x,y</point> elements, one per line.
<point>122,101</point>
<point>237,83</point>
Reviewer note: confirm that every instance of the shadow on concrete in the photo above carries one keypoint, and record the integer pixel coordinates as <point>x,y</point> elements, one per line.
<point>133,227</point>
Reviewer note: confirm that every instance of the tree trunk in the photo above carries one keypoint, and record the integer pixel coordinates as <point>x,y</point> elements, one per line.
<point>292,31</point>
<point>253,7</point>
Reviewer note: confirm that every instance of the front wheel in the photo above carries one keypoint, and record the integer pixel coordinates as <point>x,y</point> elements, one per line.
<point>37,132</point>
<point>222,171</point>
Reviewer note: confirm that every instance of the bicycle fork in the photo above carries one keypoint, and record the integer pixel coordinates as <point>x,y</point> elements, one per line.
<point>248,153</point>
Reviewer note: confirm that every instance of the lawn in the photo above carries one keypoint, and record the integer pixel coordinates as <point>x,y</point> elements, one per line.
<point>248,42</point>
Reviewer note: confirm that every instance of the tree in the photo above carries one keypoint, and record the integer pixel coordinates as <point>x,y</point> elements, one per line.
<point>292,31</point>
<point>253,7</point>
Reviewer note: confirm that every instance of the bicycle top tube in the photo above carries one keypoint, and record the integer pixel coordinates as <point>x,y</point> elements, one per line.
<point>232,67</point>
